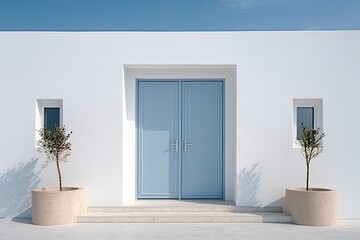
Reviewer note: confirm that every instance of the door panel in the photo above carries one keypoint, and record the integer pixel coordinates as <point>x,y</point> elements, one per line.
<point>202,121</point>
<point>169,171</point>
<point>158,129</point>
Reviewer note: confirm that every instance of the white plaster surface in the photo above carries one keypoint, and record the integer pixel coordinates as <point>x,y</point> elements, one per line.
<point>270,69</point>
<point>22,229</point>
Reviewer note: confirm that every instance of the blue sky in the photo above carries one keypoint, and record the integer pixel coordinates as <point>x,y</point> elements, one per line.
<point>175,15</point>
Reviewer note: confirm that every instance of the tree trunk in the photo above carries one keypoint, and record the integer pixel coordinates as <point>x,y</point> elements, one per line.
<point>307,177</point>
<point>58,169</point>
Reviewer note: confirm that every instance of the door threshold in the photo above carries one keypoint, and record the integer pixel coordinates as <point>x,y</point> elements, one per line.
<point>178,202</point>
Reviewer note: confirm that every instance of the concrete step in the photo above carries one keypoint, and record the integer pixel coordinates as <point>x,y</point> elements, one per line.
<point>183,211</point>
<point>185,208</point>
<point>183,217</point>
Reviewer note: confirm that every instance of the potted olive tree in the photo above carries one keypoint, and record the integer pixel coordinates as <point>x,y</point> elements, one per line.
<point>311,206</point>
<point>56,205</point>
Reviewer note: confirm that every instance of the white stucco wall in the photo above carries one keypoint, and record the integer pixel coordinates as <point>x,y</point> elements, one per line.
<point>90,72</point>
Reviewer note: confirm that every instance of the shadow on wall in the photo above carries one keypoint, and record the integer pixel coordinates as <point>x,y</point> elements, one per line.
<point>278,203</point>
<point>15,189</point>
<point>248,184</point>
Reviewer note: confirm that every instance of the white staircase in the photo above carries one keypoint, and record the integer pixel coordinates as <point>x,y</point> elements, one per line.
<point>172,211</point>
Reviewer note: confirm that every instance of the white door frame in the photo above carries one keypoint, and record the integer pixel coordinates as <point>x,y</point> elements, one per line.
<point>133,72</point>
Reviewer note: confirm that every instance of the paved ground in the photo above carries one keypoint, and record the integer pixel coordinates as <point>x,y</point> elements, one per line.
<point>22,229</point>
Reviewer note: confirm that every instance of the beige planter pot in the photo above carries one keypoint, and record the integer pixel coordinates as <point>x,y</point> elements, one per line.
<point>53,207</point>
<point>316,207</point>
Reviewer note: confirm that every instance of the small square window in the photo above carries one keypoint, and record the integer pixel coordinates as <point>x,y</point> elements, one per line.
<point>48,114</point>
<point>305,116</point>
<point>51,117</point>
<point>307,112</point>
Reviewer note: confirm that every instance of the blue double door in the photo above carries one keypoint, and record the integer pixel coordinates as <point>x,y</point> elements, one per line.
<point>180,139</point>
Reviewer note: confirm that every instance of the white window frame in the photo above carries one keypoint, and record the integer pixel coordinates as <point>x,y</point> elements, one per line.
<point>40,105</point>
<point>317,104</point>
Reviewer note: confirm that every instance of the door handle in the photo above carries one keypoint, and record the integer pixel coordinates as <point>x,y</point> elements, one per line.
<point>186,145</point>
<point>176,144</point>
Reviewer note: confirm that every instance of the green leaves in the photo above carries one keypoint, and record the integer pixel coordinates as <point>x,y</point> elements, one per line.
<point>54,143</point>
<point>311,144</point>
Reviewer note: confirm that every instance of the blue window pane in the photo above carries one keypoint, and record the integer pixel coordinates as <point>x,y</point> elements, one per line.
<point>305,115</point>
<point>51,118</point>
